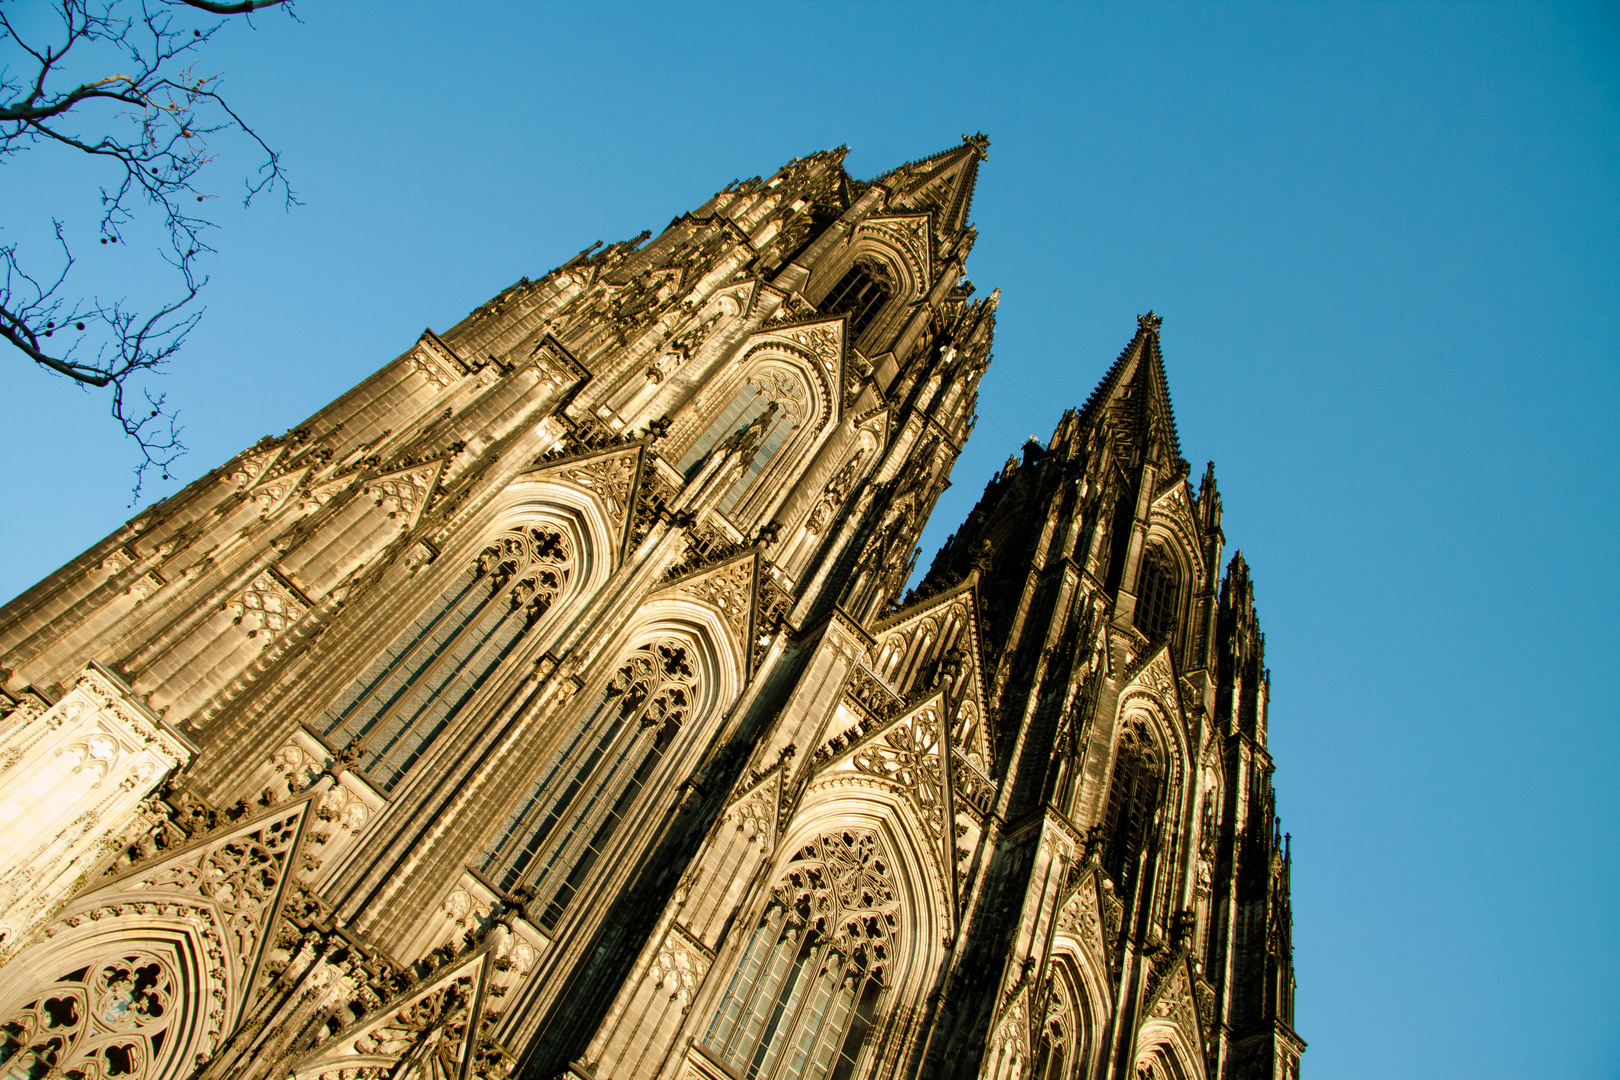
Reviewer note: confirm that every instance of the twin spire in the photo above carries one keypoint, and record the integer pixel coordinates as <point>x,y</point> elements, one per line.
<point>1133,399</point>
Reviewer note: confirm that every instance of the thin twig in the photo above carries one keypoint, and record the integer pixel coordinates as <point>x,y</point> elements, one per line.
<point>157,141</point>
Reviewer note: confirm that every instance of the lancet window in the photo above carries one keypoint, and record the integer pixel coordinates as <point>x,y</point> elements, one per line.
<point>1059,1049</point>
<point>1049,1054</point>
<point>565,820</point>
<point>861,294</point>
<point>1156,595</point>
<point>413,690</point>
<point>758,421</point>
<point>810,983</point>
<point>1133,801</point>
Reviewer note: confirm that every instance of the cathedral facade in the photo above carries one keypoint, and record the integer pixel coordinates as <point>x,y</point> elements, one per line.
<point>551,705</point>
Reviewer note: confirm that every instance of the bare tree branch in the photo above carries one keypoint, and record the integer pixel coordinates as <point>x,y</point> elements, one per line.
<point>150,121</point>
<point>242,8</point>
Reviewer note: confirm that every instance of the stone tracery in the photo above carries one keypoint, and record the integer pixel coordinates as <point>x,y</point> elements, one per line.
<point>642,708</point>
<point>110,1017</point>
<point>807,987</point>
<point>411,692</point>
<point>625,379</point>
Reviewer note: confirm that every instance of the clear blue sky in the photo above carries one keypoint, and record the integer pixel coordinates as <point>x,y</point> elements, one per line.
<point>1384,240</point>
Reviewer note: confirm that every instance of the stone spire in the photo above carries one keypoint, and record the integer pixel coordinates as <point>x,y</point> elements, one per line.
<point>941,184</point>
<point>1131,405</point>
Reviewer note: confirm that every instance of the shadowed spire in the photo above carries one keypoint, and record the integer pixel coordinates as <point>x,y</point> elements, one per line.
<point>1132,403</point>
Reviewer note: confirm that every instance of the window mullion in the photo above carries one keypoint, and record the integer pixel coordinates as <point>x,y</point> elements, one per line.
<point>426,690</point>
<point>566,851</point>
<point>519,822</point>
<point>364,734</point>
<point>787,1007</point>
<point>422,632</point>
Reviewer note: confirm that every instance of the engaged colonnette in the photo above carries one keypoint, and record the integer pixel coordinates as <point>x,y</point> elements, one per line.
<point>548,705</point>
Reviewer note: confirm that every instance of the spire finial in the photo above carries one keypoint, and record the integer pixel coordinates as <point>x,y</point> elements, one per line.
<point>1149,321</point>
<point>980,143</point>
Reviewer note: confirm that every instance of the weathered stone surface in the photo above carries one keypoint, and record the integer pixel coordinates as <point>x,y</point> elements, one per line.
<point>548,704</point>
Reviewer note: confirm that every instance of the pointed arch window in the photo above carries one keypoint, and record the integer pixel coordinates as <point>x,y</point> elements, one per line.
<point>861,294</point>
<point>808,987</point>
<point>758,421</point>
<point>1133,801</point>
<point>410,693</point>
<point>552,839</point>
<point>1059,1051</point>
<point>1156,595</point>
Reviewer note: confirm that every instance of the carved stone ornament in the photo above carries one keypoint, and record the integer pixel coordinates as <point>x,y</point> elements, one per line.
<point>145,585</point>
<point>69,778</point>
<point>347,810</point>
<point>973,789</point>
<point>436,362</point>
<point>729,587</point>
<point>517,956</point>
<point>144,975</point>
<point>679,966</point>
<point>1175,1002</point>
<point>908,755</point>
<point>1156,677</point>
<point>274,493</point>
<point>608,476</point>
<point>821,342</point>
<point>1011,1041</point>
<point>116,561</point>
<point>1081,919</point>
<point>107,1018</point>
<point>754,815</point>
<point>832,496</point>
<point>317,496</point>
<point>268,605</point>
<point>253,465</point>
<point>844,883</point>
<point>432,1030</point>
<point>402,494</point>
<point>908,236</point>
<point>869,694</point>
<point>556,364</point>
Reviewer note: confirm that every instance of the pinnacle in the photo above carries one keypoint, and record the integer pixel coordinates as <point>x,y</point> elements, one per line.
<point>1136,392</point>
<point>976,145</point>
<point>941,183</point>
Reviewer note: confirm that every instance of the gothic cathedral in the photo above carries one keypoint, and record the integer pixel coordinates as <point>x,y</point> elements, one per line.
<point>552,705</point>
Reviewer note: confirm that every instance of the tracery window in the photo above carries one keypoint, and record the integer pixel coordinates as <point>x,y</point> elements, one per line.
<point>108,1018</point>
<point>411,692</point>
<point>861,294</point>
<point>1049,1054</point>
<point>565,820</point>
<point>1133,800</point>
<point>807,988</point>
<point>760,418</point>
<point>1156,595</point>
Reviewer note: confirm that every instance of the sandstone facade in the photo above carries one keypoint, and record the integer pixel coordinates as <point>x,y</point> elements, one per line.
<point>549,705</point>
